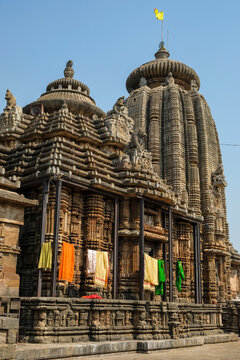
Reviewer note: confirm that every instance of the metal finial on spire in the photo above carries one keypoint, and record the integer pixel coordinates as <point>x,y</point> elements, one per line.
<point>69,72</point>
<point>161,45</point>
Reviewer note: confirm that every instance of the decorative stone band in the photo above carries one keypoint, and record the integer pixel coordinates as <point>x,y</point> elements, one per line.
<point>64,83</point>
<point>46,320</point>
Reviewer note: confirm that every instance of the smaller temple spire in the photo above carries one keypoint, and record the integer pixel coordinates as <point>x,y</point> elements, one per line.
<point>69,72</point>
<point>162,53</point>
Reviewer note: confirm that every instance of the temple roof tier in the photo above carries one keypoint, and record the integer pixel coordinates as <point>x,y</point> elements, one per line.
<point>71,91</point>
<point>155,72</point>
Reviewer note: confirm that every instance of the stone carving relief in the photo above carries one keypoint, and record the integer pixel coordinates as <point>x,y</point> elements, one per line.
<point>219,210</point>
<point>142,82</point>
<point>216,201</point>
<point>124,162</point>
<point>118,123</point>
<point>64,109</point>
<point>136,156</point>
<point>82,320</point>
<point>12,114</point>
<point>170,79</point>
<point>218,178</point>
<point>138,139</point>
<point>140,157</point>
<point>194,86</point>
<point>11,100</point>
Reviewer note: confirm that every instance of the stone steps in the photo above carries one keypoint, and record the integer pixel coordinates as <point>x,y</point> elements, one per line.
<point>72,351</point>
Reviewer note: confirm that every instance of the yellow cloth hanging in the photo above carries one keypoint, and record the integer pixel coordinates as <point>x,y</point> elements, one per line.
<point>45,260</point>
<point>102,269</point>
<point>150,273</point>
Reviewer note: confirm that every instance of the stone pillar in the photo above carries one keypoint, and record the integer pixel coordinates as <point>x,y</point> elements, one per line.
<point>94,221</point>
<point>124,213</point>
<point>76,238</point>
<point>209,276</point>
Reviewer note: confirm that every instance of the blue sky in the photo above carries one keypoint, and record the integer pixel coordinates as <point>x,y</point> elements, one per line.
<point>108,39</point>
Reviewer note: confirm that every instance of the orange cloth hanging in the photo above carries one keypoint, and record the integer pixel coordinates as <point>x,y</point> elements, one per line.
<point>66,268</point>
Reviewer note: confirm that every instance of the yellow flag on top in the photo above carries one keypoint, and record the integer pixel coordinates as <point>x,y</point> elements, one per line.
<point>159,15</point>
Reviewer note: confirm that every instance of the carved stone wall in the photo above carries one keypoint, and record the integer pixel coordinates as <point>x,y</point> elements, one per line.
<point>231,317</point>
<point>47,320</point>
<point>86,221</point>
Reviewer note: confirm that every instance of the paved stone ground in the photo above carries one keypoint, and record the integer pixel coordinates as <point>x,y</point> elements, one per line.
<point>222,351</point>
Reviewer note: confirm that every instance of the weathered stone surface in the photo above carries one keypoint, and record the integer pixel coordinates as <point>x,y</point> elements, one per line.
<point>155,345</point>
<point>67,351</point>
<point>7,352</point>
<point>9,323</point>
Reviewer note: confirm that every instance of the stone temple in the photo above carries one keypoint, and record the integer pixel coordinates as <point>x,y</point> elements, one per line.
<point>145,178</point>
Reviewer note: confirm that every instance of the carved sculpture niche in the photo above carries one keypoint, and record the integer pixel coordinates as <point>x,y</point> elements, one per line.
<point>218,184</point>
<point>128,268</point>
<point>118,123</point>
<point>108,221</point>
<point>185,255</point>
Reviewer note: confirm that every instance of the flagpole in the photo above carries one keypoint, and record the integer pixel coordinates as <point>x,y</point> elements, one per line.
<point>162,31</point>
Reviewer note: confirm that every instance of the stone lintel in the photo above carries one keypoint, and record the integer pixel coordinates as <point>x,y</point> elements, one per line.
<point>9,184</point>
<point>10,221</point>
<point>17,199</point>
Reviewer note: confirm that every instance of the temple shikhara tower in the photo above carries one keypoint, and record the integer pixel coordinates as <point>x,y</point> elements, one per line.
<point>109,198</point>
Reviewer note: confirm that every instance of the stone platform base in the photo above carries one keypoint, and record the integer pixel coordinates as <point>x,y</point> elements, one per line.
<point>70,350</point>
<point>7,351</point>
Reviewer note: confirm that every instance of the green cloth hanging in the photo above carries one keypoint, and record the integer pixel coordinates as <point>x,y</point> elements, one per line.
<point>161,278</point>
<point>179,275</point>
